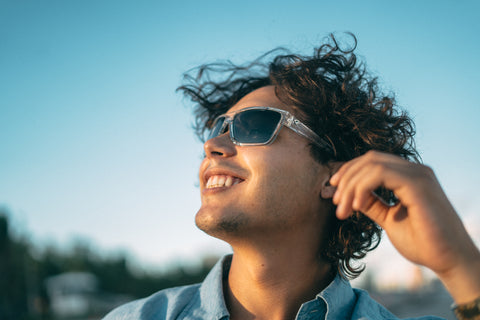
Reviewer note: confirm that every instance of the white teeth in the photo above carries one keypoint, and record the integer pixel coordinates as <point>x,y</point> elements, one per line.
<point>214,180</point>
<point>219,181</point>
<point>229,181</point>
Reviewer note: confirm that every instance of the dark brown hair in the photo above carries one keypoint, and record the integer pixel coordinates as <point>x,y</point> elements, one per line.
<point>336,97</point>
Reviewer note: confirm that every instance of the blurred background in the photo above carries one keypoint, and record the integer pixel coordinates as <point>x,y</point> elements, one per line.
<point>98,162</point>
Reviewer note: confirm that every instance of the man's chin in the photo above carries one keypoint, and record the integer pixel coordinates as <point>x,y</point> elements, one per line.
<point>220,227</point>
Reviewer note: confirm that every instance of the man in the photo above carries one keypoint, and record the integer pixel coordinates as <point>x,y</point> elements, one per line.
<point>305,159</point>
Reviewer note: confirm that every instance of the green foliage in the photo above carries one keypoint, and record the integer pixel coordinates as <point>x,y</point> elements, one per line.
<point>14,263</point>
<point>22,274</point>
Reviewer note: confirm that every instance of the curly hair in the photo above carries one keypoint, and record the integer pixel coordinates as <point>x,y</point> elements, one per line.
<point>334,95</point>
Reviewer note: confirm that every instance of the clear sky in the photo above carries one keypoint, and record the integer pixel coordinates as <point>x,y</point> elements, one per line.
<point>95,143</point>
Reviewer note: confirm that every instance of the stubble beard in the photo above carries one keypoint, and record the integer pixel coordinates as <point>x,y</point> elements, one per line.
<point>221,227</point>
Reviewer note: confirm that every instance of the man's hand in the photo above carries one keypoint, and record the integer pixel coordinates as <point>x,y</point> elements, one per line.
<point>423,226</point>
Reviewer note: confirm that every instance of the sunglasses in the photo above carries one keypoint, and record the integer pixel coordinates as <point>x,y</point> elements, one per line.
<point>256,126</point>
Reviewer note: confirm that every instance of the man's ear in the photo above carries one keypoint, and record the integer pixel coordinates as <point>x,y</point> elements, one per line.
<point>327,189</point>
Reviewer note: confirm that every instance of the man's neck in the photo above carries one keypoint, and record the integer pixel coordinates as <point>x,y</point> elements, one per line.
<point>273,285</point>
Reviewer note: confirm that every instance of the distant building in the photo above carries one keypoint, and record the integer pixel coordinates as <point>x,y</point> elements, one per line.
<point>77,295</point>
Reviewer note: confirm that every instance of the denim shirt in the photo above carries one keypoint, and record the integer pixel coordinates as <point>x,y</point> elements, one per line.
<point>205,301</point>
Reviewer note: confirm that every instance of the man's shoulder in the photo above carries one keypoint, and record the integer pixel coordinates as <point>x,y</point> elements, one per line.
<point>368,308</point>
<point>164,304</point>
<point>198,301</point>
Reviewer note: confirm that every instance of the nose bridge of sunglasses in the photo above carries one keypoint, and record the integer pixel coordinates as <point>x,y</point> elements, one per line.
<point>226,125</point>
<point>222,127</point>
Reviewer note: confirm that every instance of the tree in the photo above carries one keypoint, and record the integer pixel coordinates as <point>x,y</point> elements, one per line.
<point>14,257</point>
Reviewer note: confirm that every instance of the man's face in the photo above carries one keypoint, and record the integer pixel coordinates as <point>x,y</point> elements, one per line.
<point>260,191</point>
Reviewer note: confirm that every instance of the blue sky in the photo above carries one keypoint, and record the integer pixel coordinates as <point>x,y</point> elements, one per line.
<point>95,143</point>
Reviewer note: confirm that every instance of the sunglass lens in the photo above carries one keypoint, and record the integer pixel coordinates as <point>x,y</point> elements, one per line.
<point>255,126</point>
<point>216,128</point>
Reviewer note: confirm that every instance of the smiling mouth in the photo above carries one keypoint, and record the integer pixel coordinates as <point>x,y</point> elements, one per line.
<point>221,181</point>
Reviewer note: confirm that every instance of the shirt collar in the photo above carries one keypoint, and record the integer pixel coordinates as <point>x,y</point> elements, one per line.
<point>211,290</point>
<point>338,296</point>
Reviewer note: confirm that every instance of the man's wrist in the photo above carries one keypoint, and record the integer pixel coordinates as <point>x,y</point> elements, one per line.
<point>463,281</point>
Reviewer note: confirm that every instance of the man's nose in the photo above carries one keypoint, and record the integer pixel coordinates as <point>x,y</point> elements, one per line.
<point>220,146</point>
